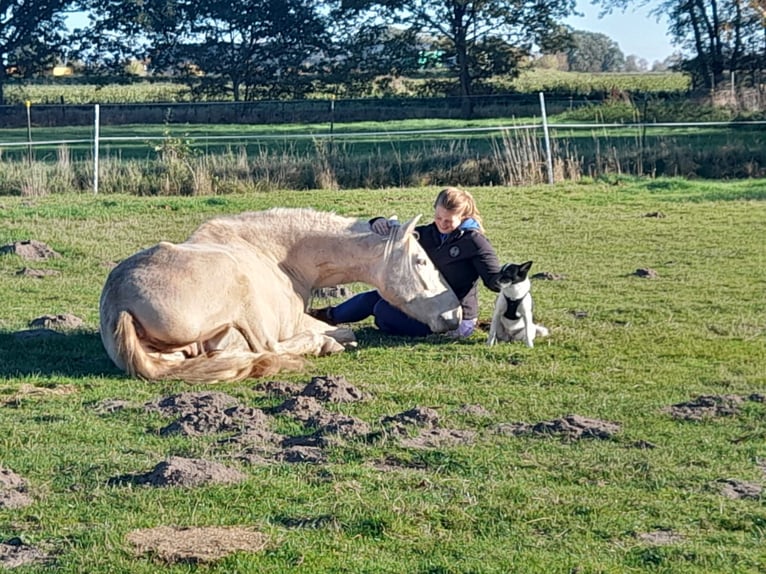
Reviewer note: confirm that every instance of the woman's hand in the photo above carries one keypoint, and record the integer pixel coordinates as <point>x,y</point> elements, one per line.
<point>382,226</point>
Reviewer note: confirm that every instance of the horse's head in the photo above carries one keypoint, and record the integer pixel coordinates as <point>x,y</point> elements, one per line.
<point>411,282</point>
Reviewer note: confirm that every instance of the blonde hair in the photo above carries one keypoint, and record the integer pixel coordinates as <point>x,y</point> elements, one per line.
<point>461,202</point>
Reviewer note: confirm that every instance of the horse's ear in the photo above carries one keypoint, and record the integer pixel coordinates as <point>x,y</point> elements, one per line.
<point>409,227</point>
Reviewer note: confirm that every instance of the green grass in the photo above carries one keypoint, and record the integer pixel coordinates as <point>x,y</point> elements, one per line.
<point>503,504</point>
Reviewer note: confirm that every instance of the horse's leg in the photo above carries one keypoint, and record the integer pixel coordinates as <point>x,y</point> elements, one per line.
<point>309,343</point>
<point>343,335</point>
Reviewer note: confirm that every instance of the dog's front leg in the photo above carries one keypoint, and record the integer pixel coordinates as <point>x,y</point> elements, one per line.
<point>500,307</point>
<point>529,327</point>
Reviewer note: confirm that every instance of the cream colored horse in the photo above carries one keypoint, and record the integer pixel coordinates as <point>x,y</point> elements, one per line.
<point>230,302</point>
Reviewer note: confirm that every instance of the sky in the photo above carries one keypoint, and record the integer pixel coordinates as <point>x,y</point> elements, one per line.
<point>635,31</point>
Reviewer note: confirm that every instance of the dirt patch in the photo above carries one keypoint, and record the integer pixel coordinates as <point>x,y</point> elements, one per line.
<point>26,391</point>
<point>571,427</point>
<point>655,214</point>
<point>183,472</point>
<point>172,544</point>
<point>59,322</point>
<point>14,553</point>
<point>279,389</point>
<point>437,438</point>
<point>706,406</point>
<point>301,454</point>
<point>109,406</point>
<point>548,276</point>
<point>646,273</point>
<point>13,490</point>
<point>29,249</point>
<point>474,411</point>
<point>660,537</point>
<point>37,273</point>
<point>733,488</point>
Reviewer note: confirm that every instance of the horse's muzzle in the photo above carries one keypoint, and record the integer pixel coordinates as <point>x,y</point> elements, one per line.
<point>447,321</point>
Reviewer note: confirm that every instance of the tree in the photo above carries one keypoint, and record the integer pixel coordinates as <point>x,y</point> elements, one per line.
<point>594,52</point>
<point>121,30</point>
<point>477,31</point>
<point>261,46</point>
<point>249,47</point>
<point>716,35</point>
<point>32,35</point>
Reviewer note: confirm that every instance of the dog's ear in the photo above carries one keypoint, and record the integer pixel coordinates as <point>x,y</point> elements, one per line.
<point>524,268</point>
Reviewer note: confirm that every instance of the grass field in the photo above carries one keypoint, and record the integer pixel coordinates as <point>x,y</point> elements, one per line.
<point>653,497</point>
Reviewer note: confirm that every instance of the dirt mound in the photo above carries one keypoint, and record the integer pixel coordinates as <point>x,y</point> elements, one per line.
<point>706,406</point>
<point>330,389</point>
<point>419,416</point>
<point>37,273</point>
<point>214,420</point>
<point>300,408</point>
<point>13,490</point>
<point>733,488</point>
<point>646,273</point>
<point>63,321</point>
<point>571,427</point>
<point>14,553</point>
<point>338,424</point>
<point>29,249</point>
<point>192,402</point>
<point>172,544</point>
<point>184,472</point>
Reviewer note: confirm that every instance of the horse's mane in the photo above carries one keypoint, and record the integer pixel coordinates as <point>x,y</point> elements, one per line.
<point>288,222</point>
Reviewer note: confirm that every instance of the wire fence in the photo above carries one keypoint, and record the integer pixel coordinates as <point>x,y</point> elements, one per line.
<point>646,146</point>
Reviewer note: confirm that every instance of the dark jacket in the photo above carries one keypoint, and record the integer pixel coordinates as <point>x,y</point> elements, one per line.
<point>463,257</point>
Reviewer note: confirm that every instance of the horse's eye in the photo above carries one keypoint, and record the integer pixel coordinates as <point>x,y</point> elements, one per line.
<point>416,235</point>
<point>421,261</point>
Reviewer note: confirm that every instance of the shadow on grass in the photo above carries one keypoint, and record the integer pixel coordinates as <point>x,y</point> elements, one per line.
<point>372,337</point>
<point>74,354</point>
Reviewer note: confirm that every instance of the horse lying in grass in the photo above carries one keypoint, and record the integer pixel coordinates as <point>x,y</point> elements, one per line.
<point>230,302</point>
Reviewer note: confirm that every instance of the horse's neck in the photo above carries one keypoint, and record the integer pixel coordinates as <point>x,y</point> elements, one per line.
<point>328,260</point>
<point>319,252</point>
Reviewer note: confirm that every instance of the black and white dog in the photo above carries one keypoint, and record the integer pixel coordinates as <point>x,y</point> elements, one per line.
<point>512,319</point>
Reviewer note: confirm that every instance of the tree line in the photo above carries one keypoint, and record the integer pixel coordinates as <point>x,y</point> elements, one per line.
<point>256,49</point>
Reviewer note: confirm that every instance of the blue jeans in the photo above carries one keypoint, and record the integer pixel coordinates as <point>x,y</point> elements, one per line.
<point>388,318</point>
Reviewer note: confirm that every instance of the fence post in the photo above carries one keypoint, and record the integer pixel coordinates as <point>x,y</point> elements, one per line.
<point>548,158</point>
<point>29,133</point>
<point>97,113</point>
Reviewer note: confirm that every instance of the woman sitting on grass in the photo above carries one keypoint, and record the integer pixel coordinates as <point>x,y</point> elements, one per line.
<point>456,244</point>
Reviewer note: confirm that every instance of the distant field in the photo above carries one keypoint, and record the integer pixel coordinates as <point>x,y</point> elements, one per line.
<point>533,81</point>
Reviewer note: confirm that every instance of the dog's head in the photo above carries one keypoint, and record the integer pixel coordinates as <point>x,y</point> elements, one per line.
<point>512,273</point>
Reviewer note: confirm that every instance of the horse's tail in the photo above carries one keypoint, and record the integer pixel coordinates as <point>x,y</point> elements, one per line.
<point>220,365</point>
